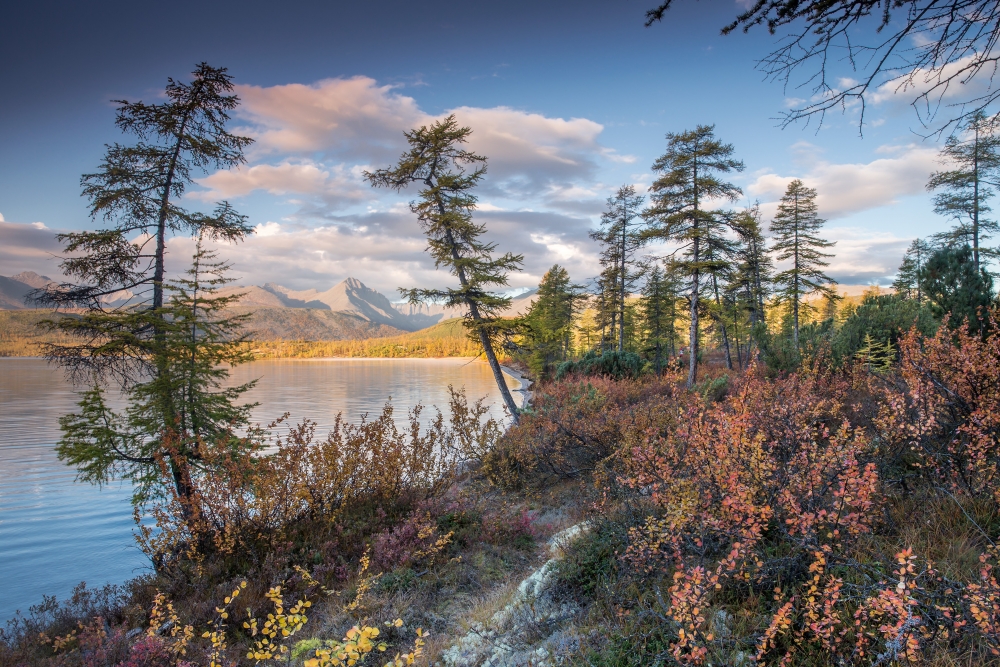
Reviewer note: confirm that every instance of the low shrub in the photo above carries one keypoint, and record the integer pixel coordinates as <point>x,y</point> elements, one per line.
<point>611,364</point>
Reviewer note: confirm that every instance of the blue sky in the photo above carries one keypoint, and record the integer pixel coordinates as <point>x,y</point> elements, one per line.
<point>568,100</point>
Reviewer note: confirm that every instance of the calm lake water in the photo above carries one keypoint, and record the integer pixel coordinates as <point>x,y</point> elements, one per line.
<point>55,532</point>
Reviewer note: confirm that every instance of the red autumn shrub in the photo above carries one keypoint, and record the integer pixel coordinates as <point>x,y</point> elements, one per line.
<point>574,425</point>
<point>942,415</point>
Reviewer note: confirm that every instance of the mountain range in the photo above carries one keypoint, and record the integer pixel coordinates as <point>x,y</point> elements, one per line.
<point>15,289</point>
<point>348,310</point>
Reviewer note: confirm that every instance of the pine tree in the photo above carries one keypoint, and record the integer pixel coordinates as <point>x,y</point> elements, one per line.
<point>438,161</point>
<point>620,236</point>
<point>907,282</point>
<point>659,311</point>
<point>965,191</point>
<point>549,322</point>
<point>794,228</point>
<point>688,178</point>
<point>171,415</point>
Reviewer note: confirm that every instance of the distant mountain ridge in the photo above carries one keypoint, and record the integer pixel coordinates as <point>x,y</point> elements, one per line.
<point>348,310</point>
<point>15,289</point>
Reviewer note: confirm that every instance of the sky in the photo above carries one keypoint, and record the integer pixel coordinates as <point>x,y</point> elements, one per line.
<point>568,100</point>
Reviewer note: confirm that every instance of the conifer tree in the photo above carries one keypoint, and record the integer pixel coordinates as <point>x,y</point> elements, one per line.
<point>137,190</point>
<point>907,282</point>
<point>954,287</point>
<point>794,228</point>
<point>963,192</point>
<point>754,268</point>
<point>549,322</point>
<point>688,178</point>
<point>172,415</point>
<point>719,251</point>
<point>658,307</point>
<point>128,334</point>
<point>438,161</point>
<point>620,236</point>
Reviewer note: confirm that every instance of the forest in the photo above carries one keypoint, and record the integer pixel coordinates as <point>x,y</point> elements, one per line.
<point>724,460</point>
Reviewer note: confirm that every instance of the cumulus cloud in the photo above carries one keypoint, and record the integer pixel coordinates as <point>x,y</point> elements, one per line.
<point>345,123</point>
<point>28,247</point>
<point>921,81</point>
<point>531,149</point>
<point>844,189</point>
<point>351,118</point>
<point>863,256</point>
<point>337,184</point>
<point>386,250</point>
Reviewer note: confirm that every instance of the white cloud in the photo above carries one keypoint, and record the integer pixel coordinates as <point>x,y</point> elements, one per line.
<point>27,247</point>
<point>347,117</point>
<point>905,88</point>
<point>1,217</point>
<point>862,255</point>
<point>36,225</point>
<point>386,250</point>
<point>267,229</point>
<point>325,130</point>
<point>336,183</point>
<point>845,189</point>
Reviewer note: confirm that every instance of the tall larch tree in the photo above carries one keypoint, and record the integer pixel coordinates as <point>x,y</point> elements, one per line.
<point>620,236</point>
<point>125,333</point>
<point>754,268</point>
<point>795,227</point>
<point>963,193</point>
<point>689,177</point>
<point>448,173</point>
<point>907,282</point>
<point>658,310</point>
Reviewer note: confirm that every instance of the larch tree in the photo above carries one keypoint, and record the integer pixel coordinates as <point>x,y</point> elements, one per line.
<point>754,268</point>
<point>620,236</point>
<point>658,309</point>
<point>907,282</point>
<point>549,322</point>
<point>746,289</point>
<point>689,180</point>
<point>795,227</point>
<point>126,332</point>
<point>173,414</point>
<point>963,193</point>
<point>448,173</point>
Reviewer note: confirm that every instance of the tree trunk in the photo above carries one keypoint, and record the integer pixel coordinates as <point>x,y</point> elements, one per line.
<point>484,338</point>
<point>975,201</point>
<point>693,334</point>
<point>722,323</point>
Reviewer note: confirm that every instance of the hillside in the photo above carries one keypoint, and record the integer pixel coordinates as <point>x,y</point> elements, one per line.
<point>445,339</point>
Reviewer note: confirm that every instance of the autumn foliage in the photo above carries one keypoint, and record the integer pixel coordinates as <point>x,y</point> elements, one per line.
<point>786,507</point>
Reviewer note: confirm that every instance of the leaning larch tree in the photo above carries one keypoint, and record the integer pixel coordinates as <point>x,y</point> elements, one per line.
<point>438,160</point>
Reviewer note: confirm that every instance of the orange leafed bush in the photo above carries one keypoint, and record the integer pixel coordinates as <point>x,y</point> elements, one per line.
<point>248,502</point>
<point>942,415</point>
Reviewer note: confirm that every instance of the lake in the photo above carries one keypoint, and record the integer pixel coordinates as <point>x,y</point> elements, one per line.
<point>55,532</point>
